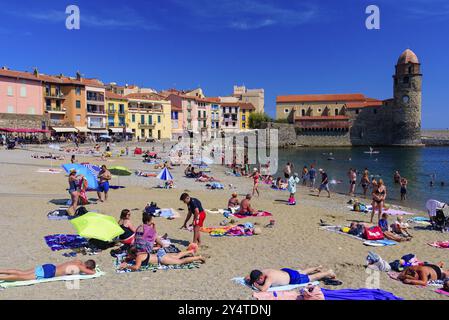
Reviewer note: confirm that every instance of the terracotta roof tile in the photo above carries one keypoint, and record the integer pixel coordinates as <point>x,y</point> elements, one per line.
<point>321,98</point>
<point>114,96</point>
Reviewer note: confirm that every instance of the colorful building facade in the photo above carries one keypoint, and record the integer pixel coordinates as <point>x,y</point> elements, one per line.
<point>149,116</point>
<point>117,110</point>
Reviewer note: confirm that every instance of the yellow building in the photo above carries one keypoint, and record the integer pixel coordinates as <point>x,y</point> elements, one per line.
<point>149,116</point>
<point>117,110</point>
<point>245,110</point>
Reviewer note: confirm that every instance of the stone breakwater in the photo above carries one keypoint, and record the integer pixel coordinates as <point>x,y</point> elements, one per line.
<point>435,137</point>
<point>289,137</point>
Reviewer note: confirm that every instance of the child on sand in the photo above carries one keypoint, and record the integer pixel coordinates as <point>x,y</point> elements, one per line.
<point>292,182</point>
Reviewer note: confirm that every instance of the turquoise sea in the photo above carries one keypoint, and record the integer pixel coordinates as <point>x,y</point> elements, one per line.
<point>418,165</point>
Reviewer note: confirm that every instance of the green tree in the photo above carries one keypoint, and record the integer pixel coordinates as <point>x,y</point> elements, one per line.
<point>256,119</point>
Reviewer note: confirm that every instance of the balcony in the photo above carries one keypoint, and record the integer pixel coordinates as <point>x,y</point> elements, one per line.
<point>57,110</point>
<point>56,95</point>
<point>95,111</point>
<point>146,126</point>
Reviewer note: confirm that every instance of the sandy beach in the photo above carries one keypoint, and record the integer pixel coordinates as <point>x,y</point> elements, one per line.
<point>26,196</point>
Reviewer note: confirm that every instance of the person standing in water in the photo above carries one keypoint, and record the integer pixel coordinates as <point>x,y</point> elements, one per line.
<point>352,175</point>
<point>364,182</point>
<point>404,184</point>
<point>397,177</point>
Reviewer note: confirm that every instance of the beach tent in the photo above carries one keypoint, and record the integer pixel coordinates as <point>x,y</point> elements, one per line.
<point>165,175</point>
<point>97,226</point>
<point>80,169</point>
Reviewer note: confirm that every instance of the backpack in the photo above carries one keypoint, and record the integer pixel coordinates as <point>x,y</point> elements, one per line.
<point>373,233</point>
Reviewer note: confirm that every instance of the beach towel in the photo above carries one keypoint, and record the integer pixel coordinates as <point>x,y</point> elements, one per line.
<point>59,214</point>
<point>167,213</point>
<point>440,291</point>
<point>10,284</point>
<point>155,267</point>
<point>241,281</point>
<point>358,294</point>
<point>372,243</point>
<point>258,214</point>
<point>440,244</point>
<point>58,242</point>
<point>395,212</point>
<point>215,229</point>
<point>342,294</point>
<point>380,243</point>
<point>52,171</point>
<point>420,220</point>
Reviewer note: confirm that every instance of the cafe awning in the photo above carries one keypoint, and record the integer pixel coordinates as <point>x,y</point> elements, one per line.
<point>116,130</point>
<point>99,131</point>
<point>23,130</point>
<point>82,129</point>
<point>64,130</point>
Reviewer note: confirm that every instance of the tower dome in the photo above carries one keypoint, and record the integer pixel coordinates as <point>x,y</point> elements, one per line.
<point>408,56</point>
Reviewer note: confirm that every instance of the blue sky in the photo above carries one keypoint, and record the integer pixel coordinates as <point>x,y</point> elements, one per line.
<point>285,47</point>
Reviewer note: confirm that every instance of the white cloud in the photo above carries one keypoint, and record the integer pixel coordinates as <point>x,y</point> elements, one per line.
<point>247,14</point>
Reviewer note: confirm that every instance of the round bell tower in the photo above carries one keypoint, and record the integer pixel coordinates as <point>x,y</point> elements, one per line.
<point>407,101</point>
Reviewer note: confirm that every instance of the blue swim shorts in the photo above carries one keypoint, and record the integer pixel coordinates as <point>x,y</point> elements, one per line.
<point>103,187</point>
<point>296,277</point>
<point>45,271</point>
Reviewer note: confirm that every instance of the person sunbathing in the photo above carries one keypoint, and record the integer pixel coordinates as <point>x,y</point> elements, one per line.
<point>421,275</point>
<point>48,271</point>
<point>264,279</point>
<point>245,206</point>
<point>143,259</point>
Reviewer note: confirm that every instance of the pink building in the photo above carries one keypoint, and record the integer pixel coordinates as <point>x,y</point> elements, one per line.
<point>194,114</point>
<point>20,93</point>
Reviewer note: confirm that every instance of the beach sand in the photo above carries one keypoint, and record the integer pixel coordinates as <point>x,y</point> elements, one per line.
<point>26,196</point>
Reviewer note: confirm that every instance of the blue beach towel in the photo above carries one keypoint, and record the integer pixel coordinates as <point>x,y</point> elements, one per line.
<point>58,242</point>
<point>358,294</point>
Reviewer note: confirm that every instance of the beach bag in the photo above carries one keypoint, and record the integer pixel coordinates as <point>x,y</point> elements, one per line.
<point>80,211</point>
<point>311,293</point>
<point>373,233</point>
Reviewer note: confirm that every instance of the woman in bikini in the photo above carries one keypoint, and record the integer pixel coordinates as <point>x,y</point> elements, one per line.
<point>379,196</point>
<point>256,178</point>
<point>127,226</point>
<point>74,191</point>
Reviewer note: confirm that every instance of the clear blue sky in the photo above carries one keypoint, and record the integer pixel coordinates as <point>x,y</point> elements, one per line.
<point>285,47</point>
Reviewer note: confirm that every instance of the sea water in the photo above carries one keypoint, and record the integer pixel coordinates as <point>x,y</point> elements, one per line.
<point>418,165</point>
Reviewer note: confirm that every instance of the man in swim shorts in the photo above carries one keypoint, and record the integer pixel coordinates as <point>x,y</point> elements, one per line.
<point>48,271</point>
<point>199,215</point>
<point>264,279</point>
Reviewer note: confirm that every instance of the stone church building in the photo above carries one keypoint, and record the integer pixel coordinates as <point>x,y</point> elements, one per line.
<point>354,119</point>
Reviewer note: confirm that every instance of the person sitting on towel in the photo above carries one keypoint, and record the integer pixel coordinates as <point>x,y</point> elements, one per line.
<point>386,229</point>
<point>48,271</point>
<point>420,275</point>
<point>245,206</point>
<point>233,202</point>
<point>264,279</point>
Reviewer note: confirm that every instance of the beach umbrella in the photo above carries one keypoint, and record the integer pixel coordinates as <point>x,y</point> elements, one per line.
<point>120,171</point>
<point>165,175</point>
<point>80,169</point>
<point>92,168</point>
<point>94,225</point>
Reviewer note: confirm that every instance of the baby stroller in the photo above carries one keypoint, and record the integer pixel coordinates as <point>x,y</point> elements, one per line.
<point>441,221</point>
<point>11,145</point>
